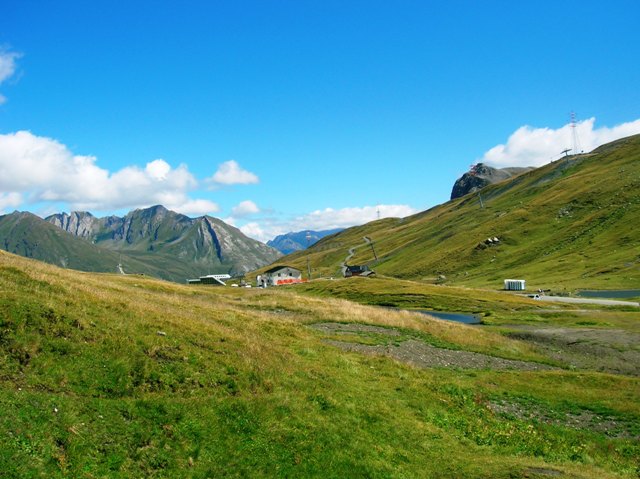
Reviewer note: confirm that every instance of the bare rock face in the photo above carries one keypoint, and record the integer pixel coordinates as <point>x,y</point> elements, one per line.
<point>78,223</point>
<point>482,176</point>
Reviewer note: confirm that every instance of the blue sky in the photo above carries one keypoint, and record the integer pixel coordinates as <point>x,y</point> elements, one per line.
<point>287,115</point>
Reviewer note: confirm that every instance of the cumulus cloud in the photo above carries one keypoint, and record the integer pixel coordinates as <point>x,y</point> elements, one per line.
<point>529,146</point>
<point>325,219</point>
<point>9,201</point>
<point>255,231</point>
<point>330,218</point>
<point>42,169</point>
<point>230,173</point>
<point>244,208</point>
<point>158,169</point>
<point>7,67</point>
<point>195,207</point>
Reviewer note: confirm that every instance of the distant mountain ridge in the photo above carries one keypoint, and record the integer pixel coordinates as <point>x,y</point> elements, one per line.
<point>482,176</point>
<point>299,240</point>
<point>154,241</point>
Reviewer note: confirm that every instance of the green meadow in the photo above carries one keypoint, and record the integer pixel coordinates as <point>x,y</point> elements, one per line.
<point>127,376</point>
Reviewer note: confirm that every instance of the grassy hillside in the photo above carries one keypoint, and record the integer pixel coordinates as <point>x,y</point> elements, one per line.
<point>569,224</point>
<point>122,376</point>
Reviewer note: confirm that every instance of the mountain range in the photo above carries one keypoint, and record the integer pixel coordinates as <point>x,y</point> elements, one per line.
<point>153,241</point>
<point>571,223</point>
<point>300,240</point>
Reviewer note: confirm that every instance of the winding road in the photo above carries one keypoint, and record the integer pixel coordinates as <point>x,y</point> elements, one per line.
<point>352,251</point>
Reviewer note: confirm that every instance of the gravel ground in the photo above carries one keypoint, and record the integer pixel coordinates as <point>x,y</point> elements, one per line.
<point>609,425</point>
<point>607,350</point>
<point>424,355</point>
<point>419,353</point>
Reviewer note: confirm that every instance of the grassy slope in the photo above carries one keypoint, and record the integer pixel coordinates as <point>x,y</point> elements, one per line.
<point>569,224</point>
<point>235,385</point>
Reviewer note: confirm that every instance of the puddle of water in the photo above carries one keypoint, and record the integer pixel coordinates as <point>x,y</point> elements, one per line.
<point>594,293</point>
<point>457,317</point>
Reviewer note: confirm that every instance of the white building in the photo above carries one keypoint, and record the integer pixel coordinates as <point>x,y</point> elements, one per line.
<point>279,275</point>
<point>215,279</point>
<point>514,284</point>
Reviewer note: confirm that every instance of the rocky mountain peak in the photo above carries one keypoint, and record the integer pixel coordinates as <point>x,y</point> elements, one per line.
<point>79,223</point>
<point>204,245</point>
<point>481,176</point>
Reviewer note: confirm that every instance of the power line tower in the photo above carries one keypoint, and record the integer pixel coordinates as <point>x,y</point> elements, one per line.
<point>574,134</point>
<point>308,237</point>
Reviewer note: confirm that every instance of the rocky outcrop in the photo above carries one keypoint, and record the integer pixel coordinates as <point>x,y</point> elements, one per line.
<point>482,176</point>
<point>78,223</point>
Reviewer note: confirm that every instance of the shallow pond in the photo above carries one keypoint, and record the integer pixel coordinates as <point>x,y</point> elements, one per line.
<point>603,293</point>
<point>457,317</point>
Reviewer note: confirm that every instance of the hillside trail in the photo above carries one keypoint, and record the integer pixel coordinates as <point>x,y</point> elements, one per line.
<point>352,251</point>
<point>343,265</point>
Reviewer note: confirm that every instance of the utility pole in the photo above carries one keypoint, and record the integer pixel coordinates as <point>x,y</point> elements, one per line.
<point>368,240</point>
<point>308,261</point>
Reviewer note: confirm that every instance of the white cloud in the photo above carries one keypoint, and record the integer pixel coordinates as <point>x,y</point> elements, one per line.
<point>345,217</point>
<point>195,207</point>
<point>325,219</point>
<point>529,146</point>
<point>9,200</point>
<point>43,169</point>
<point>7,67</point>
<point>255,231</point>
<point>245,208</point>
<point>158,169</point>
<point>230,173</point>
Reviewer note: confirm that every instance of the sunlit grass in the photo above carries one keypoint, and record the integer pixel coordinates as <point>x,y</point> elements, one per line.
<point>126,376</point>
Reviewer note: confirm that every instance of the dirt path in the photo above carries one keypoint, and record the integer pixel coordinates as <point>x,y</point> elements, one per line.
<point>352,251</point>
<point>417,352</point>
<point>343,265</point>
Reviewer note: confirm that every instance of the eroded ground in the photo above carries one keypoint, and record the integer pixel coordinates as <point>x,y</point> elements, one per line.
<point>607,350</point>
<point>391,342</point>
